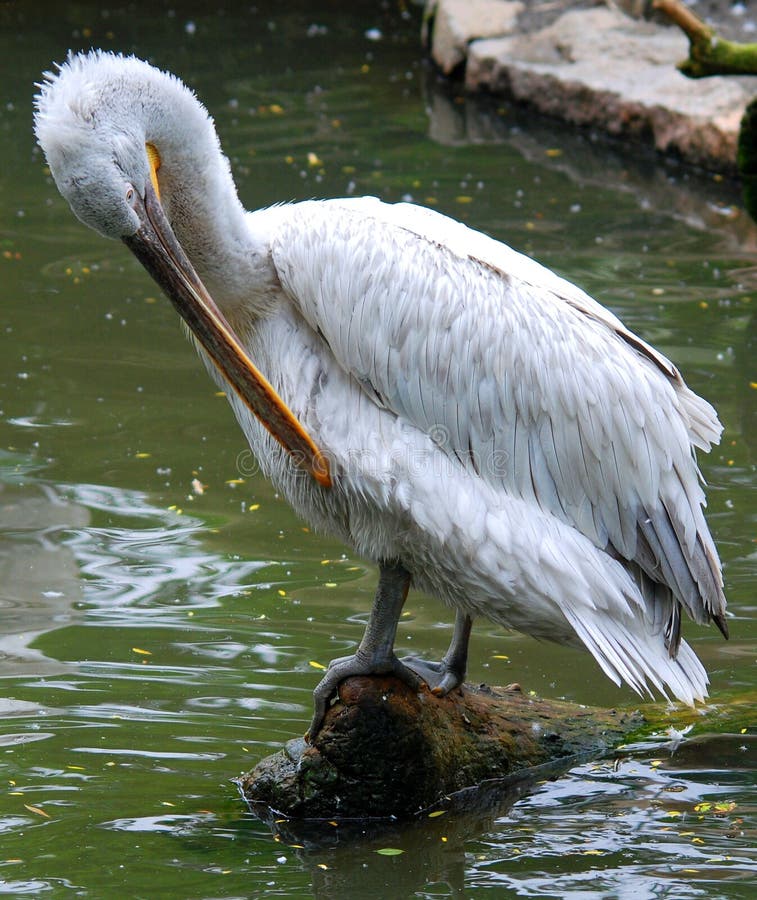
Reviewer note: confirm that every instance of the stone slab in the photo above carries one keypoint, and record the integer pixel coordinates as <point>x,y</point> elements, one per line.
<point>601,68</point>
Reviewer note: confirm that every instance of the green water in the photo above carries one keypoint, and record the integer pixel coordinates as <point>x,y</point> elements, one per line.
<point>156,641</point>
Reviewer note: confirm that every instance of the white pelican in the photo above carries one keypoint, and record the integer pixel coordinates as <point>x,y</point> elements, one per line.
<point>452,410</point>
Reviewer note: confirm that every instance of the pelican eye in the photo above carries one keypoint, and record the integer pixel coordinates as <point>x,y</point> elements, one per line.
<point>129,194</point>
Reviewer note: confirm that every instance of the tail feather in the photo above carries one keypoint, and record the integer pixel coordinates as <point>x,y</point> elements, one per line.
<point>628,649</point>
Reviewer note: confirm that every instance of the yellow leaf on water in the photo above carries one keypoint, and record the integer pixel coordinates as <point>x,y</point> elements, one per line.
<point>141,651</point>
<point>316,665</point>
<point>37,810</point>
<point>437,812</point>
<point>725,807</point>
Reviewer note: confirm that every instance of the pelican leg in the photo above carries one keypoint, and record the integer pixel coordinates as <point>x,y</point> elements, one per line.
<point>443,677</point>
<point>375,654</point>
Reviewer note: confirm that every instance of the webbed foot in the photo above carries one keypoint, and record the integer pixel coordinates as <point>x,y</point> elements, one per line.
<point>348,667</point>
<point>441,677</point>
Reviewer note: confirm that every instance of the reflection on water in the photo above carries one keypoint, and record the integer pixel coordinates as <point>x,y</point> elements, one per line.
<point>39,579</point>
<point>155,642</point>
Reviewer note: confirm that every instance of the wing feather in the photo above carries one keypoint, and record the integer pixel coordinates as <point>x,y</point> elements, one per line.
<point>520,376</point>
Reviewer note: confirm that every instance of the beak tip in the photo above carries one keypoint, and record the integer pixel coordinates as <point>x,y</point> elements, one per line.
<point>321,473</point>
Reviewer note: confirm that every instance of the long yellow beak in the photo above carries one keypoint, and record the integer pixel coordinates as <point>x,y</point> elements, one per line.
<point>157,248</point>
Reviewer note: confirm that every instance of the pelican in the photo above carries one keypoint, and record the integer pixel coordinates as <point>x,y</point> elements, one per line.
<point>452,410</point>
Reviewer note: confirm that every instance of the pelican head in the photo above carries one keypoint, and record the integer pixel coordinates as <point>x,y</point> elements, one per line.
<point>96,147</point>
<point>137,157</point>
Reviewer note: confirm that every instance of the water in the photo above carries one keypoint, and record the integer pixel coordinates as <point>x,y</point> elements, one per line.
<point>156,641</point>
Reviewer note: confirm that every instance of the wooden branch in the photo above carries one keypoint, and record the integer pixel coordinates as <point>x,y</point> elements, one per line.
<point>387,751</point>
<point>681,15</point>
<point>709,54</point>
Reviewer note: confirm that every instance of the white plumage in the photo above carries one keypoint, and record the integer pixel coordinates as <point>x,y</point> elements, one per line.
<point>489,428</point>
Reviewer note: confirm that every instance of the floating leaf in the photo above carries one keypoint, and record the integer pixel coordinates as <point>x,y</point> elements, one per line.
<point>316,665</point>
<point>437,812</point>
<point>38,810</point>
<point>725,807</point>
<point>390,851</point>
<point>141,651</point>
